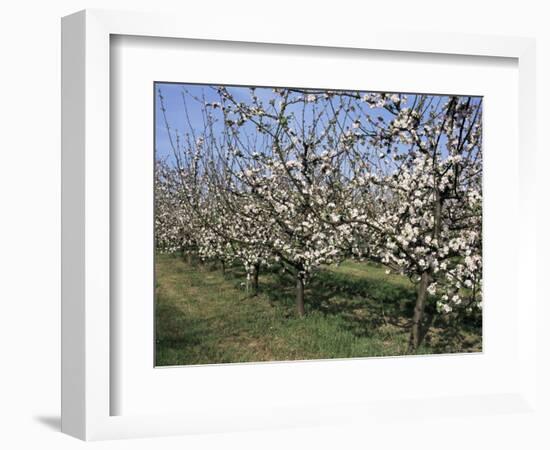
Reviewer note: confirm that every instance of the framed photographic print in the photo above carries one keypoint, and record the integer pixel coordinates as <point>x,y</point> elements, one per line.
<point>262,231</point>
<point>296,223</point>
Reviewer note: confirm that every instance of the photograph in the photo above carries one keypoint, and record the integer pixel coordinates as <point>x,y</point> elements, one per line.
<point>302,223</point>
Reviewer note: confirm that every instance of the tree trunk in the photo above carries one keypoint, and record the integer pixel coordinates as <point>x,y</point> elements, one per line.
<point>255,275</point>
<point>416,331</point>
<point>428,321</point>
<point>189,258</point>
<point>300,296</point>
<point>223,267</point>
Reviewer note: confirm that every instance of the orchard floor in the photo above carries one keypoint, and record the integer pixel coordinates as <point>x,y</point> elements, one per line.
<point>355,310</point>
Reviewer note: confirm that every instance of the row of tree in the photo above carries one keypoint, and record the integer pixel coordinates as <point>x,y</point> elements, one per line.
<point>306,178</point>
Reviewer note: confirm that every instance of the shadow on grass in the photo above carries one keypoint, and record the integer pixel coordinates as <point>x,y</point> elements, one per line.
<point>364,304</point>
<point>358,299</point>
<point>178,330</point>
<point>369,305</point>
<point>181,338</point>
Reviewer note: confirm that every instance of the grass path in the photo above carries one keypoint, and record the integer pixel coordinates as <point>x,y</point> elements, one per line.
<point>205,317</point>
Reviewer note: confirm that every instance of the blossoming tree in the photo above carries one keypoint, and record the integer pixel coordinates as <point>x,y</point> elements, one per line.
<point>307,178</point>
<point>420,198</point>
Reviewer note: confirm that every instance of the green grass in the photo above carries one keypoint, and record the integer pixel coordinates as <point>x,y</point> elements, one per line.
<point>354,310</point>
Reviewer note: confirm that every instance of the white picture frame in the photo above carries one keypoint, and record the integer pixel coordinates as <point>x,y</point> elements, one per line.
<point>87,386</point>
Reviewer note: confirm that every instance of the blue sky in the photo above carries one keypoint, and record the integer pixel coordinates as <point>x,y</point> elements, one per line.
<point>178,120</point>
<point>175,111</point>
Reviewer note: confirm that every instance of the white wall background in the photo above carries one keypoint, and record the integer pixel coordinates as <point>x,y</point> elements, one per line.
<point>30,197</point>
